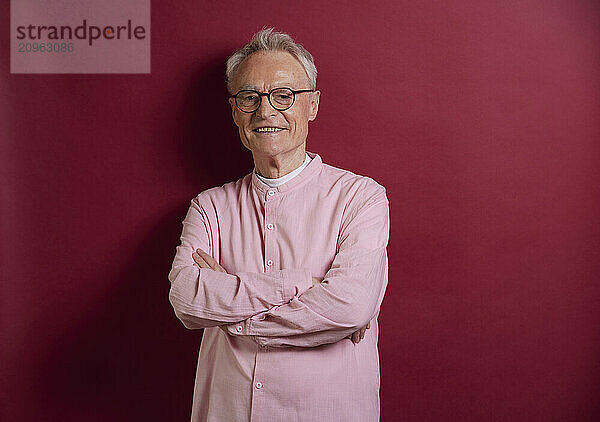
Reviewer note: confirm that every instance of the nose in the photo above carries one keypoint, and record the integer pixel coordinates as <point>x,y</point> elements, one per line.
<point>265,109</point>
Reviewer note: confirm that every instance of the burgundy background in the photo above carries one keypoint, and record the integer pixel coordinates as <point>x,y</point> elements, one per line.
<point>482,119</point>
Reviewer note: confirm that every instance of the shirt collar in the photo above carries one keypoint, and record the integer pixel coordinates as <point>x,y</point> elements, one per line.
<point>313,167</point>
<point>281,180</point>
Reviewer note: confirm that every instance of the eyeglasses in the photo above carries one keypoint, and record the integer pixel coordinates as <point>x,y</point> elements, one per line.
<point>248,100</point>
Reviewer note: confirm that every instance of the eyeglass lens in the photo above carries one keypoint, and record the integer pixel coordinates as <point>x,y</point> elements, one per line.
<point>280,98</point>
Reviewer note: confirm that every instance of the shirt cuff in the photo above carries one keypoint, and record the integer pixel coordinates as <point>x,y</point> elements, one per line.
<point>244,328</point>
<point>236,329</point>
<point>294,282</point>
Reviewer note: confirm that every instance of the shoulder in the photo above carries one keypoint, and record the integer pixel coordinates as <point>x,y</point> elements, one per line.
<point>363,198</point>
<point>354,187</point>
<point>218,196</point>
<point>365,208</point>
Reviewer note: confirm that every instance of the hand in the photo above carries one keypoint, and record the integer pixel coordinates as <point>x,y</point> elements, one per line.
<point>359,335</point>
<point>204,260</point>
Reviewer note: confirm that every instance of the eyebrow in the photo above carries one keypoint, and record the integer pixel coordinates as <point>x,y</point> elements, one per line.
<point>254,88</point>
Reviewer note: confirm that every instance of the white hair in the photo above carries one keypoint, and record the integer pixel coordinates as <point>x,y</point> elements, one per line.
<point>269,40</point>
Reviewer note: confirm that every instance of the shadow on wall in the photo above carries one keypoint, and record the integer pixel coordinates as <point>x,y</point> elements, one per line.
<point>210,148</point>
<point>130,358</point>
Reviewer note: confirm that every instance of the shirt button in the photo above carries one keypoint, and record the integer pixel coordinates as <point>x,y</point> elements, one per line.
<point>259,385</point>
<point>269,262</point>
<point>270,226</point>
<point>239,328</point>
<point>271,193</point>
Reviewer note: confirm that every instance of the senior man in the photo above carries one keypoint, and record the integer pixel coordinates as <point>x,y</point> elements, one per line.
<point>285,269</point>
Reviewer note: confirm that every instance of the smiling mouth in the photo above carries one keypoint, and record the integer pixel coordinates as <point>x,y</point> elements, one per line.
<point>267,129</point>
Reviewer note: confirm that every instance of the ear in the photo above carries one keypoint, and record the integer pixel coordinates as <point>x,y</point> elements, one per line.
<point>314,105</point>
<point>233,110</point>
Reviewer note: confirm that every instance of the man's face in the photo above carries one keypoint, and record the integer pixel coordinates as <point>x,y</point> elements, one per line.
<point>262,71</point>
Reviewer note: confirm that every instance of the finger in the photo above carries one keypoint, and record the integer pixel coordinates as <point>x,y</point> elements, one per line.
<point>368,325</point>
<point>218,268</point>
<point>210,261</point>
<point>362,333</point>
<point>201,262</point>
<point>214,265</point>
<point>355,337</point>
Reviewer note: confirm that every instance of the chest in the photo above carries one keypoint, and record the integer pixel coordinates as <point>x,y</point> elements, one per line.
<point>283,233</point>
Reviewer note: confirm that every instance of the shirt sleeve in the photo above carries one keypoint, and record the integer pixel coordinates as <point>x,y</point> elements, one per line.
<point>350,294</point>
<point>204,298</point>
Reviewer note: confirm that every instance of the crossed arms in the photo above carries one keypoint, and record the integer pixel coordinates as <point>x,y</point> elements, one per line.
<point>204,260</point>
<point>287,307</point>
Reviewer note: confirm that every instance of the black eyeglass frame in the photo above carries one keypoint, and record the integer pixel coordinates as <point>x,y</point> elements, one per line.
<point>268,95</point>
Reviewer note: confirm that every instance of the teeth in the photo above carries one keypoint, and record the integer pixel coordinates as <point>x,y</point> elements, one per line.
<point>268,129</point>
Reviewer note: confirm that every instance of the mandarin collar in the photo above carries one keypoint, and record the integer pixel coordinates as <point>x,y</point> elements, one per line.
<point>309,171</point>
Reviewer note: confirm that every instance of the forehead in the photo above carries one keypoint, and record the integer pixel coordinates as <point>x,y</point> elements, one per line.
<point>269,69</point>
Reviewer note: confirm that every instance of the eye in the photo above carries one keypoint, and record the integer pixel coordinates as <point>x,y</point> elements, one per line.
<point>248,97</point>
<point>283,97</point>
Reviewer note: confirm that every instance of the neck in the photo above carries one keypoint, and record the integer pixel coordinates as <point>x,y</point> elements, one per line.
<point>279,165</point>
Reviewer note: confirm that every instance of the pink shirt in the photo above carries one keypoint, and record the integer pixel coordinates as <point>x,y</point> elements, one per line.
<point>274,346</point>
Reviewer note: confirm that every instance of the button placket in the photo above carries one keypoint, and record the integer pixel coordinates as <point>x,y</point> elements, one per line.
<point>259,383</point>
<point>268,232</point>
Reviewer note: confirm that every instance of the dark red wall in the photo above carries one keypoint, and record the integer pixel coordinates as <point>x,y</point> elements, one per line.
<point>481,118</point>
